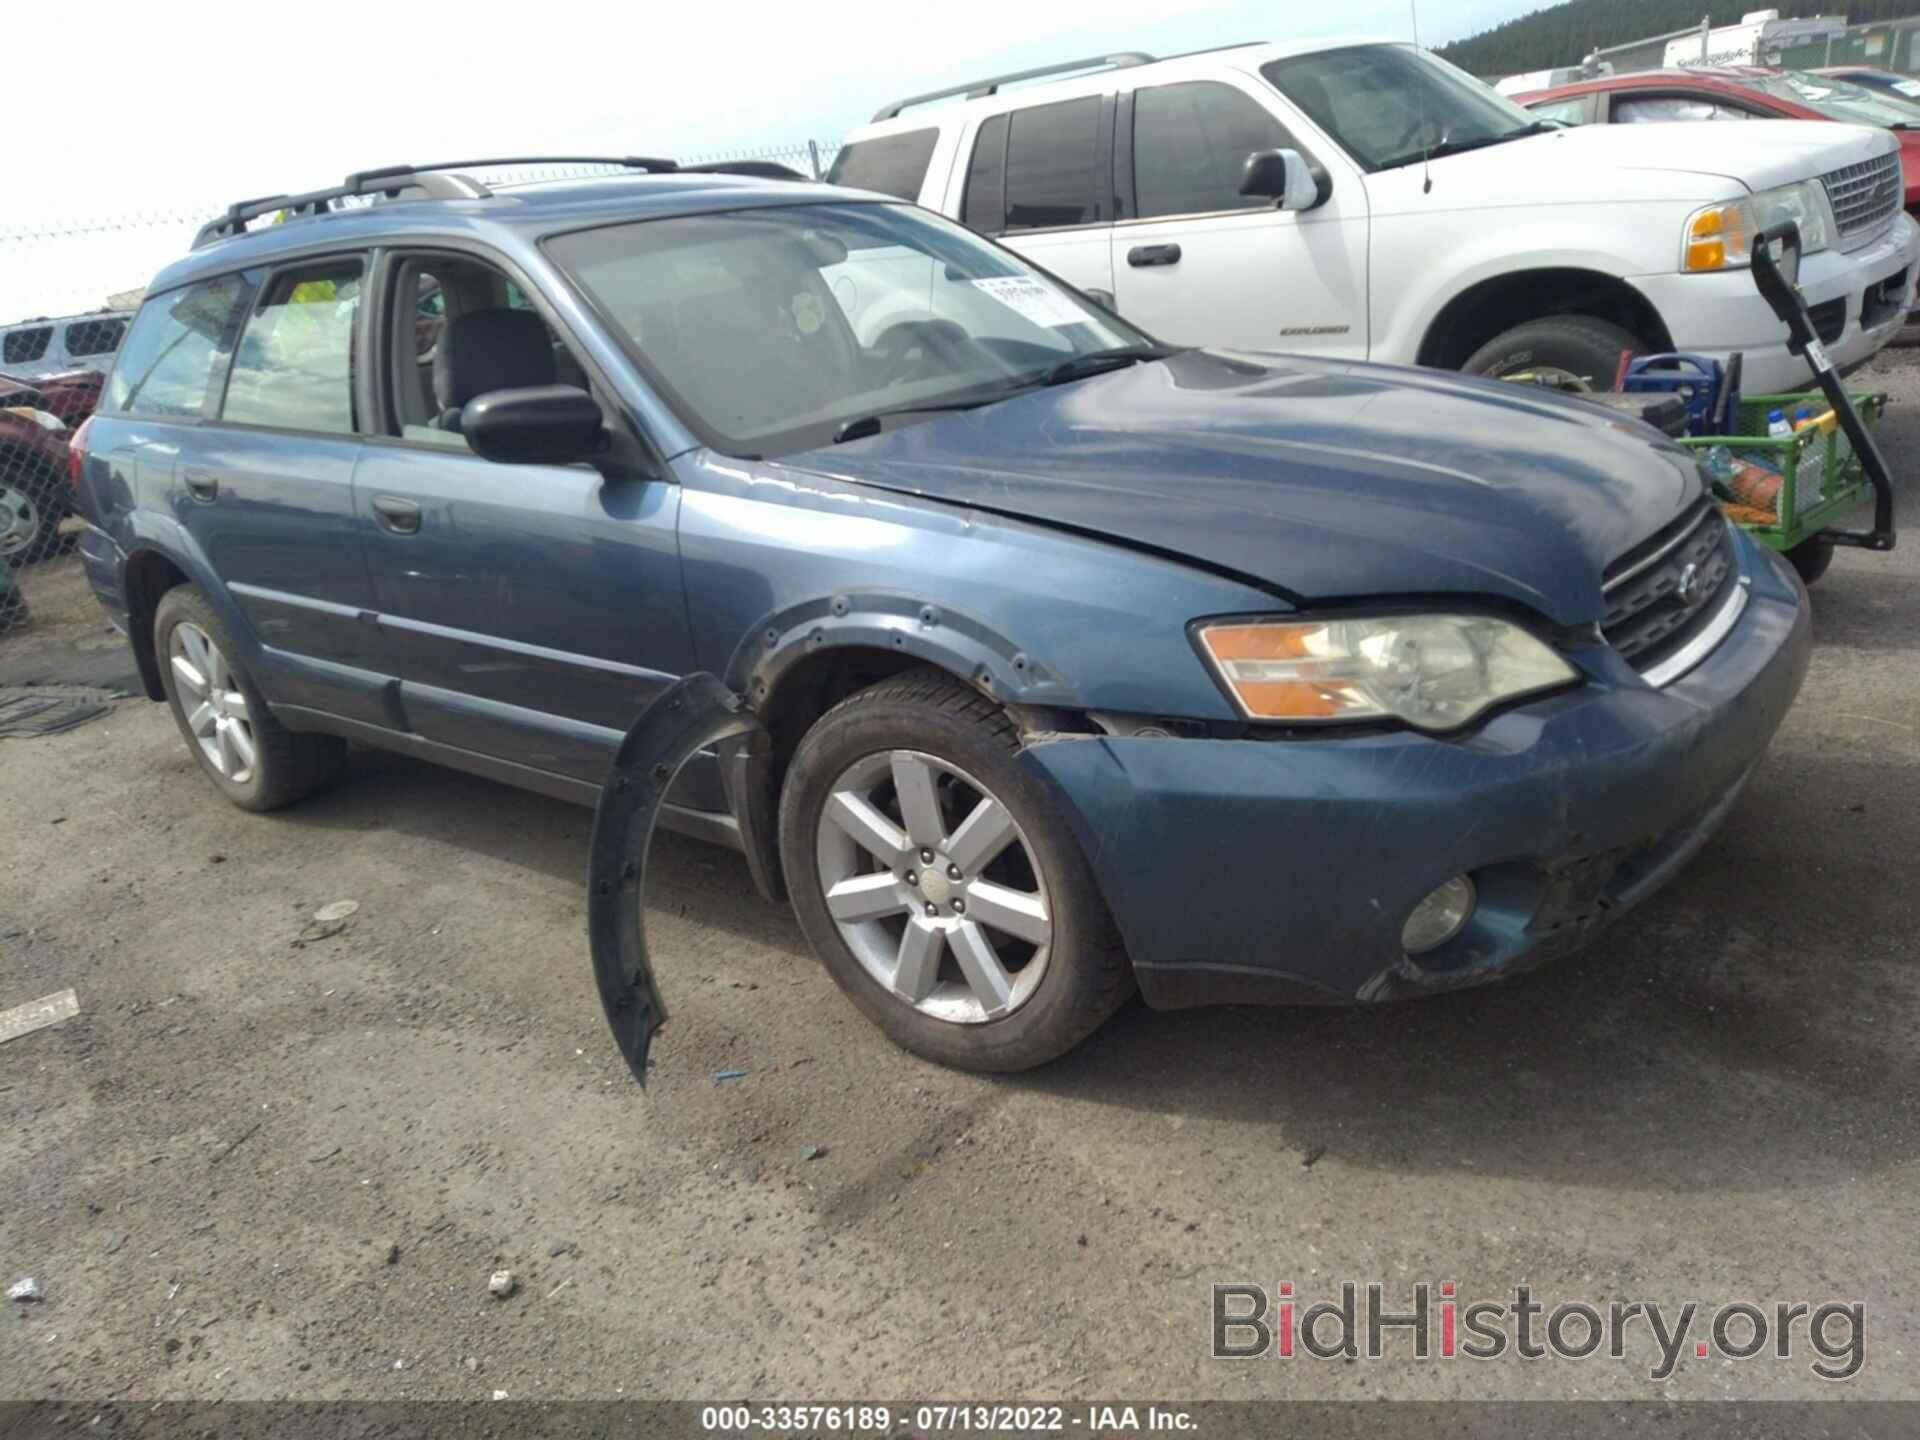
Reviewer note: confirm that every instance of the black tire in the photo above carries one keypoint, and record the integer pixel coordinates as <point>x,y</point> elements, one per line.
<point>1578,345</point>
<point>287,766</point>
<point>1811,558</point>
<point>1087,976</point>
<point>41,486</point>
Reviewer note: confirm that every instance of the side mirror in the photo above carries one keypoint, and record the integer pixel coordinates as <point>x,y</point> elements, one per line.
<point>1282,176</point>
<point>540,425</point>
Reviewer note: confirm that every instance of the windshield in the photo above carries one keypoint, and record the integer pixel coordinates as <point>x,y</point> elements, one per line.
<point>775,330</point>
<point>1389,105</point>
<point>1839,99</point>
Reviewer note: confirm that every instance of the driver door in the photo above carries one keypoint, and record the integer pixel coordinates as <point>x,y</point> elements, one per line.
<point>1197,263</point>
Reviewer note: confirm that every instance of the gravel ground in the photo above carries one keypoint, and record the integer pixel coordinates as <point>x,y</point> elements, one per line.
<point>258,1165</point>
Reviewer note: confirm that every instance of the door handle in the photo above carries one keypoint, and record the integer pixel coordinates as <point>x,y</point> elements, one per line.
<point>1141,256</point>
<point>203,487</point>
<point>401,517</point>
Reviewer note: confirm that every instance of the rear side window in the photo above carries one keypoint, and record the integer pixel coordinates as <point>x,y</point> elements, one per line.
<point>95,337</point>
<point>293,369</point>
<point>1190,146</point>
<point>177,347</point>
<point>1053,157</point>
<point>985,207</point>
<point>24,346</point>
<point>891,164</point>
<point>1567,112</point>
<point>1642,109</point>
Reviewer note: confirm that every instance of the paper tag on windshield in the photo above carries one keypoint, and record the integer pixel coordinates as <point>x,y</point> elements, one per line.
<point>1032,300</point>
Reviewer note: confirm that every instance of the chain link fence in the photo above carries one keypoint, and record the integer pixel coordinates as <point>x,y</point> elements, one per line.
<point>67,291</point>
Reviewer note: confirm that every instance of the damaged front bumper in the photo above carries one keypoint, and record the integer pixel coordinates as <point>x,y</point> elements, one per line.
<point>1283,871</point>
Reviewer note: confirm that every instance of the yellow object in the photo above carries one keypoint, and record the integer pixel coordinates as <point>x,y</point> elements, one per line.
<point>1823,422</point>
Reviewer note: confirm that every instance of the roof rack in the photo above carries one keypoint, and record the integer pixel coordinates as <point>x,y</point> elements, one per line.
<point>974,89</point>
<point>395,181</point>
<point>756,169</point>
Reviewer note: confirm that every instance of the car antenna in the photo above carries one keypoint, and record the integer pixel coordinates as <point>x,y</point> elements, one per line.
<point>1426,149</point>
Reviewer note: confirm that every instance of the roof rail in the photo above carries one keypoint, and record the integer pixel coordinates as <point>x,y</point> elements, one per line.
<point>756,169</point>
<point>974,89</point>
<point>393,181</point>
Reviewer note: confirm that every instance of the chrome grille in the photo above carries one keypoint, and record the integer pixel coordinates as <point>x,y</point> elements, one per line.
<point>1864,196</point>
<point>1664,591</point>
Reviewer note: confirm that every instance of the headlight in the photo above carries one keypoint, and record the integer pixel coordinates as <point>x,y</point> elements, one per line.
<point>1432,671</point>
<point>1720,237</point>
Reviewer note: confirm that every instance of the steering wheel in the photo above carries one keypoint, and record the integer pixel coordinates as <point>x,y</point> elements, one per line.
<point>909,349</point>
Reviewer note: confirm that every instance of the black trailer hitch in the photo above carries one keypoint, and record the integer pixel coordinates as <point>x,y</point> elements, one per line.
<point>1776,272</point>
<point>689,716</point>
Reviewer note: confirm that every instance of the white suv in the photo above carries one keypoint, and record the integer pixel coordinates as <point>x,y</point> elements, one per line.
<point>1370,200</point>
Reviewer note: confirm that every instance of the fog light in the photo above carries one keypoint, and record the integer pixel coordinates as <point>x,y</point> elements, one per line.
<point>1439,917</point>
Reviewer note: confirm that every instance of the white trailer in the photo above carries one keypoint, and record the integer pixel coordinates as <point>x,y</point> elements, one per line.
<point>1759,39</point>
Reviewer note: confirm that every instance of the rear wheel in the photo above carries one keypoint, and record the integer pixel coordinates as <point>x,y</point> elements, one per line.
<point>32,503</point>
<point>250,757</point>
<point>1811,558</point>
<point>1561,352</point>
<point>940,884</point>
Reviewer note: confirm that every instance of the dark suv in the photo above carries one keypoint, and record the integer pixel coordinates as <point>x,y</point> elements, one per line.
<point>1085,662</point>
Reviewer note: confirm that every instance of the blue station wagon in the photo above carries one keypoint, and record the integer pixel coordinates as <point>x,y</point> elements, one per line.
<point>1086,663</point>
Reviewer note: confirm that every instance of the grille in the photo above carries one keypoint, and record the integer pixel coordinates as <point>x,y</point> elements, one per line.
<point>1648,615</point>
<point>1864,196</point>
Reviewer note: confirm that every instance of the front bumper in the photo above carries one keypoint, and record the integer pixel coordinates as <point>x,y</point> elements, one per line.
<point>1282,871</point>
<point>1719,314</point>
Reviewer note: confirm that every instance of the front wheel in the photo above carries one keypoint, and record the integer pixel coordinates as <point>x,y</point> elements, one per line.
<point>251,758</point>
<point>939,882</point>
<point>32,504</point>
<point>1561,352</point>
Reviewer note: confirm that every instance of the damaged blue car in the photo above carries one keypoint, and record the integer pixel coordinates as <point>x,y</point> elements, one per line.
<point>1083,663</point>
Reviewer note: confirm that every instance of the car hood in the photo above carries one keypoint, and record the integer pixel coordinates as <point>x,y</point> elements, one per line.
<point>1759,156</point>
<point>1317,480</point>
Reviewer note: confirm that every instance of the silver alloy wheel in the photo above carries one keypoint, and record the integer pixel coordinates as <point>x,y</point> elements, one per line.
<point>935,889</point>
<point>19,519</point>
<point>210,697</point>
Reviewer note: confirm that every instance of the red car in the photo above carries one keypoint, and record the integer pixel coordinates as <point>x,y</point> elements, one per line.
<point>36,419</point>
<point>1736,93</point>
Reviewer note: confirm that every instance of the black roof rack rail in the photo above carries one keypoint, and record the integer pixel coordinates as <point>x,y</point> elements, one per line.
<point>974,89</point>
<point>757,169</point>
<point>394,180</point>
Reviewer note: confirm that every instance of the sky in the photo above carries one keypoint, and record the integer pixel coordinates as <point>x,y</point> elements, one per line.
<point>186,109</point>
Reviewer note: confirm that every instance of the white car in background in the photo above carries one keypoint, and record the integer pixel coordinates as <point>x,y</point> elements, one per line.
<point>1367,199</point>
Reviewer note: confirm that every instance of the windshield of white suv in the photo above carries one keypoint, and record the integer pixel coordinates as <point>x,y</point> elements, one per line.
<point>1838,99</point>
<point>787,328</point>
<point>1391,105</point>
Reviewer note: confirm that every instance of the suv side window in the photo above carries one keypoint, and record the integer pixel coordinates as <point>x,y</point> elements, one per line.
<point>24,346</point>
<point>1053,162</point>
<point>293,369</point>
<point>95,337</point>
<point>984,209</point>
<point>891,164</point>
<point>178,348</point>
<point>1190,143</point>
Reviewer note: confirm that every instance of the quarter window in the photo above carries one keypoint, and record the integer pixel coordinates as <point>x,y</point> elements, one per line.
<point>985,208</point>
<point>95,337</point>
<point>1190,146</point>
<point>1053,154</point>
<point>23,347</point>
<point>177,347</point>
<point>891,164</point>
<point>294,366</point>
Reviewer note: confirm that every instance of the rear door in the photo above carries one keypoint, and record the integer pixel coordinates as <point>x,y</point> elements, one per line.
<point>1197,263</point>
<point>1040,181</point>
<point>529,612</point>
<point>265,487</point>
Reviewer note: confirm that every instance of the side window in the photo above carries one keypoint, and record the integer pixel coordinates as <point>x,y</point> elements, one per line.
<point>1640,109</point>
<point>177,348</point>
<point>1190,143</point>
<point>1053,155</point>
<point>294,366</point>
<point>24,346</point>
<point>891,164</point>
<point>985,208</point>
<point>95,337</point>
<point>1567,112</point>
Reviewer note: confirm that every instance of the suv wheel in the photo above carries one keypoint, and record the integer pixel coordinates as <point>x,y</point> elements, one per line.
<point>1564,352</point>
<point>939,883</point>
<point>252,759</point>
<point>31,507</point>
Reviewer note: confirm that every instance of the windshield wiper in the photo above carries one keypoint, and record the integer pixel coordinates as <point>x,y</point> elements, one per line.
<point>863,426</point>
<point>1457,147</point>
<point>1095,362</point>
